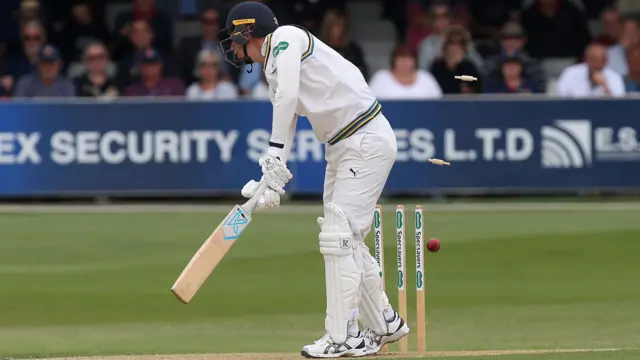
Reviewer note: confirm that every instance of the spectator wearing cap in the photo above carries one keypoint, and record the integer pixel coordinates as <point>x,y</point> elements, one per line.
<point>46,82</point>
<point>141,39</point>
<point>512,78</point>
<point>82,27</point>
<point>556,29</point>
<point>404,80</point>
<point>189,47</point>
<point>210,86</point>
<point>96,82</point>
<point>159,22</point>
<point>591,78</point>
<point>632,80</point>
<point>612,24</point>
<point>617,54</point>
<point>512,44</point>
<point>152,82</point>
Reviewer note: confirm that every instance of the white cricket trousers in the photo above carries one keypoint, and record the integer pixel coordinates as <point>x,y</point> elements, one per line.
<point>357,170</point>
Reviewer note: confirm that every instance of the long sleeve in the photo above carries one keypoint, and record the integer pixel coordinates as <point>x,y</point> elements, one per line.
<point>286,47</point>
<point>286,151</point>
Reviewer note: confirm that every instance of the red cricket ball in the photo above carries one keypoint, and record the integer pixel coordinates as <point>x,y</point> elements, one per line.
<point>433,245</point>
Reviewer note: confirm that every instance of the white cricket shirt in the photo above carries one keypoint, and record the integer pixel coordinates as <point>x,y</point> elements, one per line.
<point>308,78</point>
<point>574,82</point>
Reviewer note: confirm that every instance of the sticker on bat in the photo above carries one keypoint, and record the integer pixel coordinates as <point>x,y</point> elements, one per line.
<point>234,224</point>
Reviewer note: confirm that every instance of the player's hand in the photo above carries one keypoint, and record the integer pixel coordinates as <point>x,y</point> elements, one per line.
<point>275,172</point>
<point>267,200</point>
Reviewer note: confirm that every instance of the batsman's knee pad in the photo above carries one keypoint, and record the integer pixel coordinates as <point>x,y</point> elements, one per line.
<point>373,300</point>
<point>343,276</point>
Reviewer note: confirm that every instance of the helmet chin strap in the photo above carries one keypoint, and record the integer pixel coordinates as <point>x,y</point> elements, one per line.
<point>247,59</point>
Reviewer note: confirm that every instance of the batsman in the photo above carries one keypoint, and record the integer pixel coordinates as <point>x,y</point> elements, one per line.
<point>308,78</point>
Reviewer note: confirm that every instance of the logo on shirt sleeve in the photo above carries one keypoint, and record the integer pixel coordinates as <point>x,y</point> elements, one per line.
<point>282,46</point>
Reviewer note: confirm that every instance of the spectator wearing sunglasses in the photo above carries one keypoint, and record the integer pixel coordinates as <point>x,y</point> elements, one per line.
<point>96,82</point>
<point>23,61</point>
<point>210,86</point>
<point>190,47</point>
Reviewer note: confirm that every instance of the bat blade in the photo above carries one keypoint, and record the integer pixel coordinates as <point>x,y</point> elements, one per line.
<point>210,254</point>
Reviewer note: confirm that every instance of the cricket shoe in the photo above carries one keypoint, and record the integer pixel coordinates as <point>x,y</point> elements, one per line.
<point>326,348</point>
<point>396,330</point>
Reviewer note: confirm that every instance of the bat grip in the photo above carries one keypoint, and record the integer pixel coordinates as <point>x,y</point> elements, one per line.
<point>251,203</point>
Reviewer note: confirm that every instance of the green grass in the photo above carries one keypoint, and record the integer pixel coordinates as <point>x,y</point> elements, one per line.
<point>83,284</point>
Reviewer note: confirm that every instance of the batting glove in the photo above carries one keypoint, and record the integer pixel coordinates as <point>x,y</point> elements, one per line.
<point>270,199</point>
<point>275,172</point>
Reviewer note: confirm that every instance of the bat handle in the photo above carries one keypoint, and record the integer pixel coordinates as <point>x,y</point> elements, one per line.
<point>251,203</point>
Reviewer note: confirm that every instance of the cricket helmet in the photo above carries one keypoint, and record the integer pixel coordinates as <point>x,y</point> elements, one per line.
<point>245,20</point>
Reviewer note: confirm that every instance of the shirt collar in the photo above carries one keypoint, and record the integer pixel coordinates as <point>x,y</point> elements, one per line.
<point>265,44</point>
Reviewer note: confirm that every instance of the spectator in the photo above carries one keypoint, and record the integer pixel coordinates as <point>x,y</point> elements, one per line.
<point>261,90</point>
<point>617,54</point>
<point>24,61</point>
<point>210,86</point>
<point>459,34</point>
<point>80,29</point>
<point>152,81</point>
<point>189,47</point>
<point>612,24</point>
<point>335,33</point>
<point>632,80</point>
<point>250,77</point>
<point>556,29</point>
<point>31,10</point>
<point>46,82</point>
<point>96,82</point>
<point>404,80</point>
<point>511,45</point>
<point>431,47</point>
<point>454,63</point>
<point>159,22</point>
<point>142,40</point>
<point>512,78</point>
<point>591,78</point>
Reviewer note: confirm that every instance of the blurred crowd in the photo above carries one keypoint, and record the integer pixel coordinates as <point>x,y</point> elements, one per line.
<point>68,48</point>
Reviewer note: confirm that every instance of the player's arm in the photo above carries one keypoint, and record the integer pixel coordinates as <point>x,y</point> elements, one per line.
<point>285,50</point>
<point>286,151</point>
<point>287,46</point>
<point>292,131</point>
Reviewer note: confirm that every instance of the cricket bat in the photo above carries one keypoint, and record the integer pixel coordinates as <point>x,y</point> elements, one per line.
<point>214,248</point>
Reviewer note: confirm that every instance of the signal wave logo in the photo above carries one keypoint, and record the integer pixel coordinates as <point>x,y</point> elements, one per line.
<point>566,144</point>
